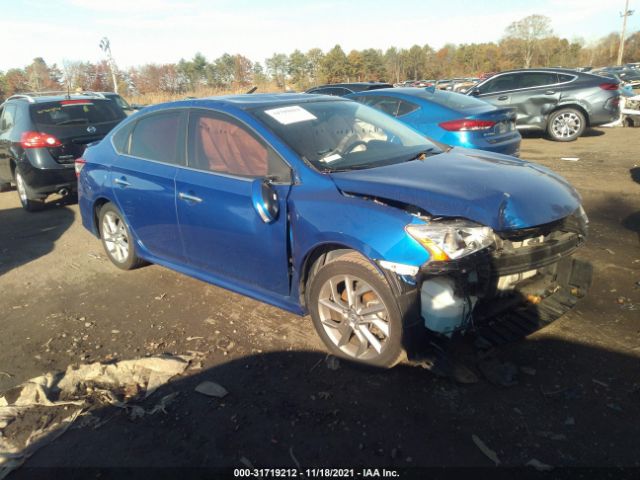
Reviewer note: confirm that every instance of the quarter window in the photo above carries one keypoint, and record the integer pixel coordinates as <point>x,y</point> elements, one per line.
<point>7,121</point>
<point>157,137</point>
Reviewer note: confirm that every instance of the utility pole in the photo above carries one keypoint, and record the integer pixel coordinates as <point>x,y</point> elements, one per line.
<point>627,13</point>
<point>105,46</point>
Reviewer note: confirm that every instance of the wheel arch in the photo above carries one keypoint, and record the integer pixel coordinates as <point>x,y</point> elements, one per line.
<point>320,255</point>
<point>574,105</point>
<point>95,213</point>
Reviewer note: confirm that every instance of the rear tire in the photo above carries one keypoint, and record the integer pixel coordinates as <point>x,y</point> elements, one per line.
<point>566,125</point>
<point>355,312</point>
<point>29,200</point>
<point>116,238</point>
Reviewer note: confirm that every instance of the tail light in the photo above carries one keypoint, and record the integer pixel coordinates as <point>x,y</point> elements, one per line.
<point>465,125</point>
<point>609,86</point>
<point>79,164</point>
<point>38,140</point>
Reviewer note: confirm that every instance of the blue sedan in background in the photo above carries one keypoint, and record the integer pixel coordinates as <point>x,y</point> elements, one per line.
<point>448,117</point>
<point>322,205</point>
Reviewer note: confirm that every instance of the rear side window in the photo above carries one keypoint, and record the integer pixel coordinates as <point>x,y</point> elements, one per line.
<point>8,118</point>
<point>454,100</point>
<point>562,78</point>
<point>158,137</point>
<point>75,112</point>
<point>389,105</point>
<point>538,79</point>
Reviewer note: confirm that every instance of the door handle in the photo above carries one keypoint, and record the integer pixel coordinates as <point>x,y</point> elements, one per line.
<point>549,92</point>
<point>122,182</point>
<point>503,97</point>
<point>189,198</point>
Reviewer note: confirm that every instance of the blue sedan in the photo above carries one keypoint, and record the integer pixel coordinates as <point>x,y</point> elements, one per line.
<point>321,205</point>
<point>448,117</point>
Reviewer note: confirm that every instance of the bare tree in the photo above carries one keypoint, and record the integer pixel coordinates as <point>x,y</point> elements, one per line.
<point>527,35</point>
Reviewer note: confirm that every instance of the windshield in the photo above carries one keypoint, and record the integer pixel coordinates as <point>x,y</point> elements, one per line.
<point>344,135</point>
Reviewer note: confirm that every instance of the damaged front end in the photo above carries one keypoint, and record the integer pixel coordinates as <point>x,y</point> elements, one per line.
<point>503,284</point>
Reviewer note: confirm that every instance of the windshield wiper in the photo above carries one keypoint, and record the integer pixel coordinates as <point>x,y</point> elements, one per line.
<point>422,154</point>
<point>73,120</point>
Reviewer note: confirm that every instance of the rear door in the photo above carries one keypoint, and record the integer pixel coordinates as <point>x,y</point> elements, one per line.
<point>222,232</point>
<point>537,94</point>
<point>143,181</point>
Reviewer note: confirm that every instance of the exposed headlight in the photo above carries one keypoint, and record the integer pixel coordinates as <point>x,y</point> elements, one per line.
<point>451,239</point>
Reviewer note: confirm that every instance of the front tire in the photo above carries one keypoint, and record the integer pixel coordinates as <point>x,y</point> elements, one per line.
<point>356,313</point>
<point>116,238</point>
<point>566,125</point>
<point>29,200</point>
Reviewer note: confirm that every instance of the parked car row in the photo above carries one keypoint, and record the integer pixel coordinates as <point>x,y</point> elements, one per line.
<point>560,102</point>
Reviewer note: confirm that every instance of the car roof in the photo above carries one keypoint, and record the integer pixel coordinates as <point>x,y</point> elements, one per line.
<point>541,69</point>
<point>35,99</point>
<point>255,100</point>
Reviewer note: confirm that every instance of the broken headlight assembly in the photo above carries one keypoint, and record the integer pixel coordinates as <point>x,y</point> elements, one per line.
<point>451,239</point>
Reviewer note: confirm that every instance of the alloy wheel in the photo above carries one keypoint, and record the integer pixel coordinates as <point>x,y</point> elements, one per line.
<point>114,234</point>
<point>22,189</point>
<point>566,125</point>
<point>354,317</point>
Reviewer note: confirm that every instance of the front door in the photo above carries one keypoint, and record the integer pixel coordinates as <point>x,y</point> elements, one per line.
<point>222,232</point>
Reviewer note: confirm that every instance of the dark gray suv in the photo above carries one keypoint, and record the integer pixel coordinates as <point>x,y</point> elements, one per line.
<point>561,102</point>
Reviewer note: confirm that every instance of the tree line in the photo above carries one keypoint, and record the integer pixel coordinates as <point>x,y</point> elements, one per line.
<point>529,42</point>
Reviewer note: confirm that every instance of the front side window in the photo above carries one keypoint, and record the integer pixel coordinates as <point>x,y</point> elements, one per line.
<point>501,83</point>
<point>218,143</point>
<point>158,137</point>
<point>344,135</point>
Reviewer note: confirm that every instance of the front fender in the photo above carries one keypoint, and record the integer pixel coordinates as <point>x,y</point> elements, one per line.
<point>323,216</point>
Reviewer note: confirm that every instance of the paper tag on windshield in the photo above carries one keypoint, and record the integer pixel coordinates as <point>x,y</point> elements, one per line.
<point>331,158</point>
<point>289,115</point>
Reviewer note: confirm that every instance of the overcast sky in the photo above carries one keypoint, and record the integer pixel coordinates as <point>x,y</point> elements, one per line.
<point>161,31</point>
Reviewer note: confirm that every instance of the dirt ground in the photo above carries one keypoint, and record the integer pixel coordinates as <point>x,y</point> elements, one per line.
<point>576,403</point>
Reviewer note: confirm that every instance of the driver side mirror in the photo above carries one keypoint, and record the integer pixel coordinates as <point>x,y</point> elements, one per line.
<point>265,200</point>
<point>475,92</point>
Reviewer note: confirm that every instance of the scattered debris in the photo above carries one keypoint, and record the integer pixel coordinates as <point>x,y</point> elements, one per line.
<point>538,465</point>
<point>609,251</point>
<point>499,373</point>
<point>528,371</point>
<point>534,299</point>
<point>212,389</point>
<point>614,406</point>
<point>570,421</point>
<point>598,382</point>
<point>552,435</point>
<point>486,450</point>
<point>295,460</point>
<point>78,390</point>
<point>6,374</point>
<point>333,363</point>
<point>245,461</point>
<point>194,338</point>
<point>570,159</point>
<point>162,296</point>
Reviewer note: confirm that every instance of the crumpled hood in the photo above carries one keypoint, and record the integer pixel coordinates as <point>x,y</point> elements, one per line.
<point>495,190</point>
